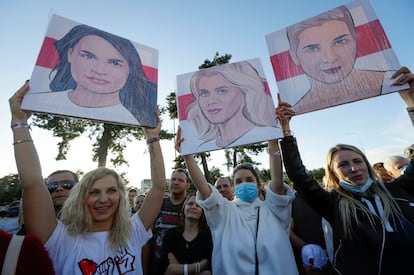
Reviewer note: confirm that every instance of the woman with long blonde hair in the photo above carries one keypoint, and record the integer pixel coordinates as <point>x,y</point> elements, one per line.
<point>95,234</point>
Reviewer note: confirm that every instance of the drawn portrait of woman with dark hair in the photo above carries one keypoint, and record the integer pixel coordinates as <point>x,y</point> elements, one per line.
<point>98,76</point>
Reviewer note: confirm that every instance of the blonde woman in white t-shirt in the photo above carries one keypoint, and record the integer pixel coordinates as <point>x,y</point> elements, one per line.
<point>95,234</point>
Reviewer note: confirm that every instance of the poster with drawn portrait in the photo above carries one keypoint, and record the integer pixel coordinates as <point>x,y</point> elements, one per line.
<point>225,106</point>
<point>340,56</point>
<point>84,72</point>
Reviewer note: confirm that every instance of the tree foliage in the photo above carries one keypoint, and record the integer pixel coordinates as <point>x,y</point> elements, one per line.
<point>106,138</point>
<point>171,108</point>
<point>217,60</point>
<point>264,175</point>
<point>10,189</point>
<point>318,175</point>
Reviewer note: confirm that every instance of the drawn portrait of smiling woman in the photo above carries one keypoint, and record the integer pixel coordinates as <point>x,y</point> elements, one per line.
<point>325,47</point>
<point>231,106</point>
<point>98,69</point>
<point>333,58</point>
<point>99,76</point>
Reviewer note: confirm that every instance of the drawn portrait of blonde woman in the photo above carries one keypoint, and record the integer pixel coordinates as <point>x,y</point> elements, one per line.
<point>232,105</point>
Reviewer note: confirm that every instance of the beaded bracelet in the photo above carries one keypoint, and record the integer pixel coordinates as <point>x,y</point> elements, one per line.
<point>22,141</point>
<point>152,139</point>
<point>274,153</point>
<point>20,125</point>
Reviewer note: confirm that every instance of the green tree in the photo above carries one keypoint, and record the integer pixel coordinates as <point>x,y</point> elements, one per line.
<point>215,173</point>
<point>242,154</point>
<point>217,60</point>
<point>264,175</point>
<point>10,189</point>
<point>107,138</point>
<point>318,174</point>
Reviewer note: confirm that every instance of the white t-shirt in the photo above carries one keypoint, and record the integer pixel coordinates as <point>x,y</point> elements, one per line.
<point>90,253</point>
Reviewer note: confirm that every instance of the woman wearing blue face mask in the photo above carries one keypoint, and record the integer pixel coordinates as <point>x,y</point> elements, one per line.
<point>372,221</point>
<point>250,236</point>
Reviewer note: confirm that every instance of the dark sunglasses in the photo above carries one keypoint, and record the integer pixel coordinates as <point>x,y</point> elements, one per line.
<point>66,184</point>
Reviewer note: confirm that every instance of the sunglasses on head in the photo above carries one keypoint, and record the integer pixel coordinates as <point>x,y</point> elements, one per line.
<point>245,165</point>
<point>66,184</point>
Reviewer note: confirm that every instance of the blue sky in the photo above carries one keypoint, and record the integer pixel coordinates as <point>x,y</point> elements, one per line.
<point>186,32</point>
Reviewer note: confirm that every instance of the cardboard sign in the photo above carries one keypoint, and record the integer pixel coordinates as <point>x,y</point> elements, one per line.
<point>225,106</point>
<point>337,57</point>
<point>85,72</point>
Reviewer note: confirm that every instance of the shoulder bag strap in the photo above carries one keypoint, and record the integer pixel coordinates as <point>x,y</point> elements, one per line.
<point>255,245</point>
<point>12,255</point>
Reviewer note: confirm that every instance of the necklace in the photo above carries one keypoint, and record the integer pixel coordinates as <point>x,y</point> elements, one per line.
<point>188,243</point>
<point>188,237</point>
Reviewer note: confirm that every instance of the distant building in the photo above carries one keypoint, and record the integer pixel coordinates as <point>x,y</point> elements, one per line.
<point>147,183</point>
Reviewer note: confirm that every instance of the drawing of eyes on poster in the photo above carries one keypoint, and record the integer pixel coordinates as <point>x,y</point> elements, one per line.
<point>340,56</point>
<point>225,106</point>
<point>84,72</point>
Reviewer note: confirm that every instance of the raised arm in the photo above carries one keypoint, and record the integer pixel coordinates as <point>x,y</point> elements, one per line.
<point>197,176</point>
<point>275,158</point>
<point>39,214</point>
<point>404,76</point>
<point>276,172</point>
<point>284,113</point>
<point>153,200</point>
<point>302,180</point>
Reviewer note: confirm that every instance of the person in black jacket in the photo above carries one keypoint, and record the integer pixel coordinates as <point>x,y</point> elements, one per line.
<point>372,221</point>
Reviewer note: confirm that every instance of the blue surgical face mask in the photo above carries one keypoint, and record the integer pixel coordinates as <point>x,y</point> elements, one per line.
<point>247,191</point>
<point>356,188</point>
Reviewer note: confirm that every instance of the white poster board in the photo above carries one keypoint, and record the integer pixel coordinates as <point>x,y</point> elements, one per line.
<point>340,56</point>
<point>85,72</point>
<point>225,106</point>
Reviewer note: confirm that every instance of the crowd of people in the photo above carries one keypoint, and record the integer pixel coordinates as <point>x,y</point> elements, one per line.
<point>361,222</point>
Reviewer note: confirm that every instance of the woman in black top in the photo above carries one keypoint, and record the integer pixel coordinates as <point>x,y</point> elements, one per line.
<point>187,248</point>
